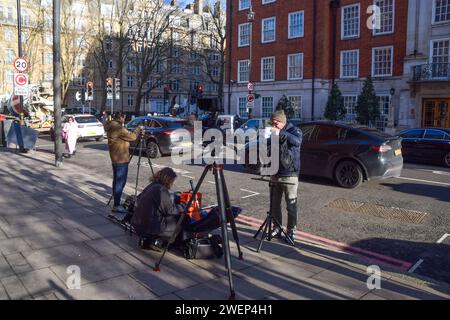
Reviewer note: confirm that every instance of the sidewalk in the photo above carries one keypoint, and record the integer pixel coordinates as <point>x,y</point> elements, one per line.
<point>53,218</point>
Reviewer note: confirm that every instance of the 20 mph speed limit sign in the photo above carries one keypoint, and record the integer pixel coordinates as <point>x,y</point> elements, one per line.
<point>21,65</point>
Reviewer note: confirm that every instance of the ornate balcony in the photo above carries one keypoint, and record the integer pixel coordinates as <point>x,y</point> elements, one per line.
<point>432,72</point>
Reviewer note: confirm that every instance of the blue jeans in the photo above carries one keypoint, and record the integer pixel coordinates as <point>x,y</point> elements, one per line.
<point>120,175</point>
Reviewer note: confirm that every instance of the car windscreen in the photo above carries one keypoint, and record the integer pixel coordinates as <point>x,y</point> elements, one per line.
<point>86,119</point>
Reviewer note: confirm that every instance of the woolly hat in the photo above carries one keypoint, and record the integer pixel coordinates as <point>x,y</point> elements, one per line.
<point>279,116</point>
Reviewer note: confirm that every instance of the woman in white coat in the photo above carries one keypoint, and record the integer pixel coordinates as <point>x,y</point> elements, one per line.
<point>71,134</point>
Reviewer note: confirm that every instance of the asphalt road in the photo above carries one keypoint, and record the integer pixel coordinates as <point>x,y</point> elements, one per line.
<point>425,190</point>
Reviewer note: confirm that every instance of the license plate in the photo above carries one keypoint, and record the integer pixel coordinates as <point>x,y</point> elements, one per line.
<point>398,152</point>
<point>92,133</point>
<point>186,144</point>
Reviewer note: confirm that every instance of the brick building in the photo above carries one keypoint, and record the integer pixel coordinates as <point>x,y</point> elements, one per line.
<point>299,48</point>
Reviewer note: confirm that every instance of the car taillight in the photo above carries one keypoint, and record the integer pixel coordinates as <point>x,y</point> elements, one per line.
<point>167,132</point>
<point>382,149</point>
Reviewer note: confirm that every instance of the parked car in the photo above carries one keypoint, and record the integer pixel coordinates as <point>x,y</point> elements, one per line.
<point>348,154</point>
<point>160,134</point>
<point>88,126</point>
<point>429,145</point>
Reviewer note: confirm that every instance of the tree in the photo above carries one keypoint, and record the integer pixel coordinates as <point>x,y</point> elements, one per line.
<point>285,105</point>
<point>151,38</point>
<point>335,109</point>
<point>212,53</point>
<point>367,108</point>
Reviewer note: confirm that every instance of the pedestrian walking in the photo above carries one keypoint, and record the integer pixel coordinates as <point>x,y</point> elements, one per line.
<point>285,182</point>
<point>70,135</point>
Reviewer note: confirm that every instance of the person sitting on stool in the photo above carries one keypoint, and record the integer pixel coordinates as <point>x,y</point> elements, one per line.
<point>286,180</point>
<point>155,214</point>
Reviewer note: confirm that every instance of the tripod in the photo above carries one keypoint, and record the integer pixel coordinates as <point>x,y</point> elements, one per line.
<point>270,222</point>
<point>226,214</point>
<point>141,144</point>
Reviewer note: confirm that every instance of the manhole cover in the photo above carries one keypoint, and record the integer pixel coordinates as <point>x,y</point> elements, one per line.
<point>403,215</point>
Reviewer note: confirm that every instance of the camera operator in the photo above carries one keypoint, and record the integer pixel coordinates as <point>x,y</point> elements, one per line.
<point>286,180</point>
<point>155,213</point>
<point>118,144</point>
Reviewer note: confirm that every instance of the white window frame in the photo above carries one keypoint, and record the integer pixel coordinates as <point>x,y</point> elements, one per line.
<point>262,106</point>
<point>289,77</point>
<point>243,8</point>
<point>240,45</point>
<point>267,1</point>
<point>343,37</point>
<point>274,30</point>
<point>375,33</point>
<point>302,33</point>
<point>239,71</point>
<point>341,65</point>
<point>392,62</point>
<point>432,49</point>
<point>262,69</point>
<point>355,97</point>
<point>245,114</point>
<point>434,15</point>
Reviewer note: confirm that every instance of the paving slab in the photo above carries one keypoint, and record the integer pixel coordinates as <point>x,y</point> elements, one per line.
<point>107,230</point>
<point>15,288</point>
<point>18,263</point>
<point>104,247</point>
<point>83,221</point>
<point>43,281</point>
<point>3,294</point>
<point>69,254</point>
<point>120,288</point>
<point>31,228</point>
<point>54,239</point>
<point>13,245</point>
<point>5,268</point>
<point>30,217</point>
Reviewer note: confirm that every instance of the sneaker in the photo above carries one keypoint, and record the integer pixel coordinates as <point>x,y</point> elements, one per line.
<point>276,233</point>
<point>119,209</point>
<point>291,235</point>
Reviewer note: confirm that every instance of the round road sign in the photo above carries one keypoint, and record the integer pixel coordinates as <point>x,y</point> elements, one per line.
<point>250,86</point>
<point>20,79</point>
<point>251,98</point>
<point>21,65</point>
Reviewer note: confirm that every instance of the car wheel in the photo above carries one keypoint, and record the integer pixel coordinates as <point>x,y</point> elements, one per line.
<point>447,159</point>
<point>100,139</point>
<point>153,150</point>
<point>348,174</point>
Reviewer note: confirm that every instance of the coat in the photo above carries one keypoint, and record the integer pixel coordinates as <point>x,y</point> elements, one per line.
<point>154,212</point>
<point>119,141</point>
<point>290,142</point>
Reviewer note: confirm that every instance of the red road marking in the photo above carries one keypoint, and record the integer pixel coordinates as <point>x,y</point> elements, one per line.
<point>404,265</point>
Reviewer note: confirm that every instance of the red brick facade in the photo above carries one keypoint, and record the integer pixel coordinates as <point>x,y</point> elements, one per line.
<point>324,37</point>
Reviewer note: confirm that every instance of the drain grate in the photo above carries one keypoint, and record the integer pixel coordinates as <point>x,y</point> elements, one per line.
<point>403,215</point>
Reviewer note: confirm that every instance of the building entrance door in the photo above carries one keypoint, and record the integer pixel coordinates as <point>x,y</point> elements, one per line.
<point>435,113</point>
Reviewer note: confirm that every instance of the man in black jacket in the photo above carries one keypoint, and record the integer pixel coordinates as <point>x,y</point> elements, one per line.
<point>286,180</point>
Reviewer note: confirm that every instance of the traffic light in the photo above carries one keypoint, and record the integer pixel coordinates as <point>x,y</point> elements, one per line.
<point>90,90</point>
<point>117,88</point>
<point>109,85</point>
<point>200,92</point>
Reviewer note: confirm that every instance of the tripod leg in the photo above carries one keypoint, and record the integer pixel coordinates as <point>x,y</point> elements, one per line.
<point>141,144</point>
<point>223,218</point>
<point>180,221</point>
<point>230,215</point>
<point>263,237</point>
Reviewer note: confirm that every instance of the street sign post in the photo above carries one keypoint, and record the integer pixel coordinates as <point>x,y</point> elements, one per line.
<point>21,84</point>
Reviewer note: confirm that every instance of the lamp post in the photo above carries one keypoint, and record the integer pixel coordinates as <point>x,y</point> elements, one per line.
<point>250,19</point>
